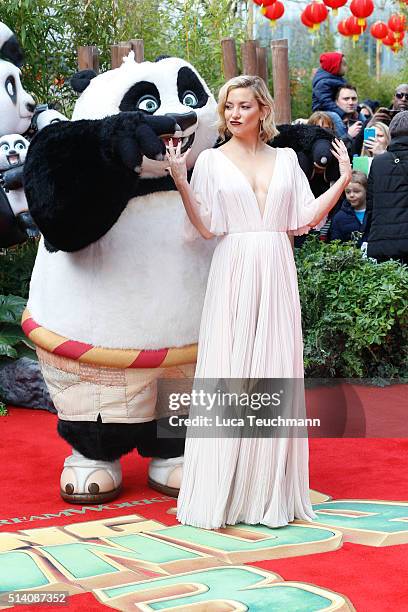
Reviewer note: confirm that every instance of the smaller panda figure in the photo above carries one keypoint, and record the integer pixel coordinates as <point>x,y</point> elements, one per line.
<point>17,106</point>
<point>18,115</point>
<point>13,151</point>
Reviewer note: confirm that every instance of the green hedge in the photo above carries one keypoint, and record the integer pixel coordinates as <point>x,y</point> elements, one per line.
<point>16,266</point>
<point>354,313</point>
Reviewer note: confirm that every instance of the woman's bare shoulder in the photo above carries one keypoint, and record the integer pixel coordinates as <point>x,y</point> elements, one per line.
<point>205,154</point>
<point>285,151</point>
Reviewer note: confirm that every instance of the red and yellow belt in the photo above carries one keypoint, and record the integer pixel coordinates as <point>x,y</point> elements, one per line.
<point>114,358</point>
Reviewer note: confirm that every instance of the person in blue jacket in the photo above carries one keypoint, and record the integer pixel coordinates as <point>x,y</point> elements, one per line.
<point>351,216</point>
<point>326,82</point>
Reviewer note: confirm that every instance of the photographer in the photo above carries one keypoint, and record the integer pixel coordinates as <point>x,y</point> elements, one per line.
<point>399,103</point>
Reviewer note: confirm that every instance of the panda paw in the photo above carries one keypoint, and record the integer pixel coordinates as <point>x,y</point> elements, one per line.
<point>135,134</point>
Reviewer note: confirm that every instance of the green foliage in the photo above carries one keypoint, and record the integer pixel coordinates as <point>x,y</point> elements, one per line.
<point>354,313</point>
<point>3,409</point>
<point>196,32</point>
<point>13,342</point>
<point>16,265</point>
<point>51,30</point>
<point>362,77</point>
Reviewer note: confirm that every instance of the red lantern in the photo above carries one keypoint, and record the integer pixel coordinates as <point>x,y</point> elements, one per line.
<point>273,12</point>
<point>389,40</point>
<point>335,5</point>
<point>306,21</point>
<point>264,2</point>
<point>397,24</point>
<point>342,28</point>
<point>354,28</point>
<point>398,46</point>
<point>316,12</point>
<point>379,30</point>
<point>362,9</point>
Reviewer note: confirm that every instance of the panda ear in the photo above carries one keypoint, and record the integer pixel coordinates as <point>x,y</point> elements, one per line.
<point>161,57</point>
<point>80,80</point>
<point>9,46</point>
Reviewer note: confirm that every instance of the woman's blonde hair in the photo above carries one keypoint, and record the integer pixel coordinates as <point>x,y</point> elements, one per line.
<point>386,131</point>
<point>258,87</point>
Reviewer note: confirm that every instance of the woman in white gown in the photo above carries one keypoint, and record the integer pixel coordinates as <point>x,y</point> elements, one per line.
<point>253,196</point>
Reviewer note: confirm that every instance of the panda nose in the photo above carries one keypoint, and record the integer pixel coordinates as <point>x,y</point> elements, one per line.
<point>30,107</point>
<point>184,120</point>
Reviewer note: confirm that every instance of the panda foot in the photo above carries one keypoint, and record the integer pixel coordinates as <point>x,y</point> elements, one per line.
<point>165,475</point>
<point>90,481</point>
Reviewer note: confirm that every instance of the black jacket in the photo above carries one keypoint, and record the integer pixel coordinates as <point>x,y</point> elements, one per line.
<point>324,87</point>
<point>386,224</point>
<point>344,223</point>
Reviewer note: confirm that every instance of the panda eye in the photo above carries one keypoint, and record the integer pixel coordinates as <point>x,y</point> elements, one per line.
<point>148,104</point>
<point>189,99</point>
<point>10,86</point>
<point>4,147</point>
<point>19,146</point>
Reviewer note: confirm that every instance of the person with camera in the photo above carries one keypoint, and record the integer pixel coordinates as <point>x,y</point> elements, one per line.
<point>399,103</point>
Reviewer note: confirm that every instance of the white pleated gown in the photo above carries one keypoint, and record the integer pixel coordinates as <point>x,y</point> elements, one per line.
<point>250,328</point>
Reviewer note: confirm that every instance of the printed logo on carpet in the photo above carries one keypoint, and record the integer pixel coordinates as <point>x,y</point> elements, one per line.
<point>134,563</point>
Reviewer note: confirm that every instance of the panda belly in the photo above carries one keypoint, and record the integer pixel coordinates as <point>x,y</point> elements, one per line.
<point>141,286</point>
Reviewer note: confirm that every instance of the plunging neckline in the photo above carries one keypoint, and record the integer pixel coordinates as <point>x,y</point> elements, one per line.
<point>261,214</point>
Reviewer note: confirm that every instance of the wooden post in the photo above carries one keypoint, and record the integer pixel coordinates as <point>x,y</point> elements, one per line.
<point>118,52</point>
<point>138,48</point>
<point>229,58</point>
<point>88,58</point>
<point>250,22</point>
<point>378,61</point>
<point>281,86</point>
<point>249,60</point>
<point>262,63</point>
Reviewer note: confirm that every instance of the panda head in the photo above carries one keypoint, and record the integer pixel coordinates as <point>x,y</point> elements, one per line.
<point>169,86</point>
<point>16,105</point>
<point>13,151</point>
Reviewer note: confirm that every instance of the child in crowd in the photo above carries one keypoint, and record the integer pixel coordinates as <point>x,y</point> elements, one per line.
<point>326,82</point>
<point>350,217</point>
<point>321,119</point>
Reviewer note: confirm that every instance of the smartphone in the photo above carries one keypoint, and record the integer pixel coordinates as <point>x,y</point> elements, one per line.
<point>369,133</point>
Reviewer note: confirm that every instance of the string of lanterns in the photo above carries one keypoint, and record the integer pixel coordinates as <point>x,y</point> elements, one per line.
<point>390,34</point>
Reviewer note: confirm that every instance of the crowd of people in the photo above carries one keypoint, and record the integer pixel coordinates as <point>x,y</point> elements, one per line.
<point>374,208</point>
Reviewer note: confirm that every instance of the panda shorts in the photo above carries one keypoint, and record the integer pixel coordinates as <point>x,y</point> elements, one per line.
<point>82,392</point>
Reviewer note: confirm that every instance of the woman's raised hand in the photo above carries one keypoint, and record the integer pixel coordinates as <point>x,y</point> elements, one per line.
<point>340,152</point>
<point>177,161</point>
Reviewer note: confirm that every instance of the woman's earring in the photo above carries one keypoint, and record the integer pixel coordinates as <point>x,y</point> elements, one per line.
<point>261,126</point>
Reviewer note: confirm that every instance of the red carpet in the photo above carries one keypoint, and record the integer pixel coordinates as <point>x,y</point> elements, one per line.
<point>372,578</point>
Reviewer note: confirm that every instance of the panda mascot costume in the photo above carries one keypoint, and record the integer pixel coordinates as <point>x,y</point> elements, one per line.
<point>17,112</point>
<point>117,289</point>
